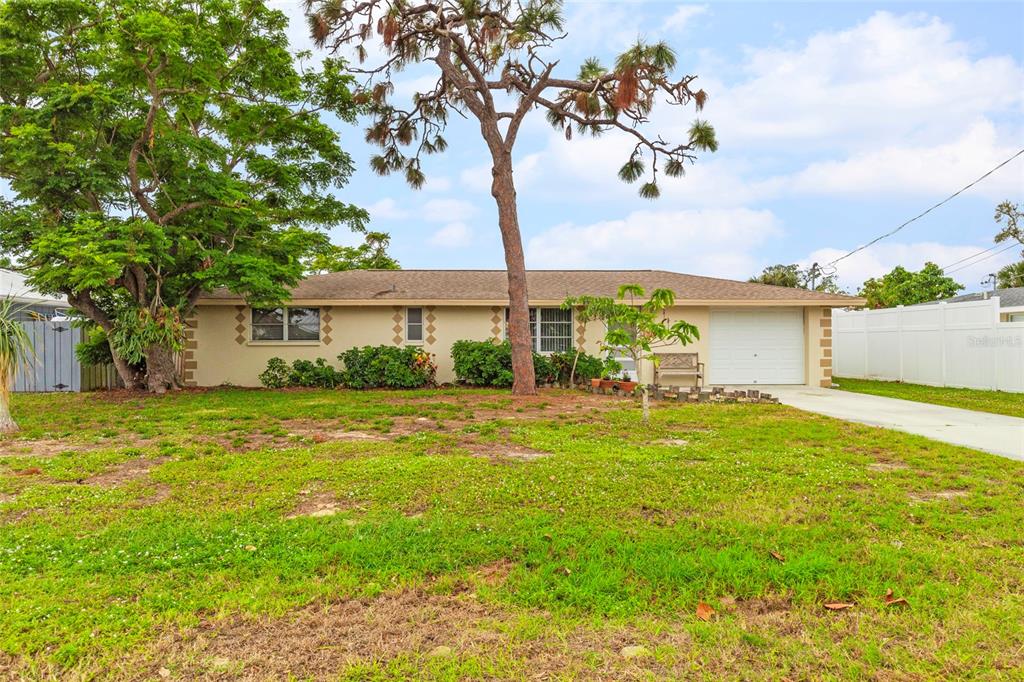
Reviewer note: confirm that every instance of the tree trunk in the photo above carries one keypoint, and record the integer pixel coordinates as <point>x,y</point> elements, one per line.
<point>161,372</point>
<point>7,423</point>
<point>645,401</point>
<point>504,192</point>
<point>129,377</point>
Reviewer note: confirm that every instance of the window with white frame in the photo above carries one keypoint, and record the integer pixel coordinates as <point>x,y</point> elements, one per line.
<point>414,325</point>
<point>285,324</point>
<point>550,329</point>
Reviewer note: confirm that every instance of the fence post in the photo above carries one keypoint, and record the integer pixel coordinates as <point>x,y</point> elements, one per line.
<point>899,338</point>
<point>942,341</point>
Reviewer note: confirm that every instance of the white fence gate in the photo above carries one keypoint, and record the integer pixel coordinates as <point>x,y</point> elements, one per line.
<point>943,344</point>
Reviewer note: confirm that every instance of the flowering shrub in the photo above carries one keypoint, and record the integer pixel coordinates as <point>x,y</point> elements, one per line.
<point>387,367</point>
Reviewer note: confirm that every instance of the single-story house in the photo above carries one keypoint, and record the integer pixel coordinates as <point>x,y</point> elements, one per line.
<point>749,333</point>
<point>1011,302</point>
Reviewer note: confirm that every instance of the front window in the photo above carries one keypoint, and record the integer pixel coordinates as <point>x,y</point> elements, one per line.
<point>414,325</point>
<point>550,329</point>
<point>285,324</point>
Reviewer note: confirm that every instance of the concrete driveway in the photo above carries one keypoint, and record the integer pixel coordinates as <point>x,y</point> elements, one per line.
<point>993,433</point>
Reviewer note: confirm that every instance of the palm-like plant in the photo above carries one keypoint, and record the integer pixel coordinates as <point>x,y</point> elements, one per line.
<point>15,351</point>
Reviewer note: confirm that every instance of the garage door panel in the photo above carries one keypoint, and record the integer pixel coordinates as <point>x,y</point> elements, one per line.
<point>756,347</point>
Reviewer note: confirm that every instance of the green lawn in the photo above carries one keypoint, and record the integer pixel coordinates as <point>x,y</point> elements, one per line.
<point>462,535</point>
<point>996,402</point>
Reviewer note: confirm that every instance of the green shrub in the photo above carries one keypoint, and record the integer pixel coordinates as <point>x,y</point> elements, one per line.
<point>587,367</point>
<point>486,363</point>
<point>387,367</point>
<point>316,374</point>
<point>277,374</point>
<point>482,363</point>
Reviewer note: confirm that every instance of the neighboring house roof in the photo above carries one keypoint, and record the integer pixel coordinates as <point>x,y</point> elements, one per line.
<point>12,285</point>
<point>1008,298</point>
<point>491,286</point>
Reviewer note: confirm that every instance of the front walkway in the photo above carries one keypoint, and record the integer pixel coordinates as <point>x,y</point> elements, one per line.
<point>995,433</point>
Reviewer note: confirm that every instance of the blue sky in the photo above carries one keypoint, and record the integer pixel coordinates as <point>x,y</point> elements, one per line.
<point>837,122</point>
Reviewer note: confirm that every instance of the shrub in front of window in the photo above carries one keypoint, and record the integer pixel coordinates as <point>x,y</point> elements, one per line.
<point>314,374</point>
<point>277,374</point>
<point>387,367</point>
<point>577,368</point>
<point>486,363</point>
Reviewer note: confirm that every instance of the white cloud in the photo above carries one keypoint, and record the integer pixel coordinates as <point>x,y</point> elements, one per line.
<point>444,210</point>
<point>883,257</point>
<point>453,236</point>
<point>386,209</point>
<point>937,169</point>
<point>890,78</point>
<point>718,242</point>
<point>678,20</point>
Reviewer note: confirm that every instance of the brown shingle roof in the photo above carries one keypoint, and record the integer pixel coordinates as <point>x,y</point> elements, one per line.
<point>543,285</point>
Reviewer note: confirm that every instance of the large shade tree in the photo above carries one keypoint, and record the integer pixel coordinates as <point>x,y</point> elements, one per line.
<point>157,149</point>
<point>906,287</point>
<point>490,61</point>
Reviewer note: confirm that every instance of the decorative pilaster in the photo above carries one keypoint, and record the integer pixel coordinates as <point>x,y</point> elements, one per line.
<point>826,347</point>
<point>189,364</point>
<point>325,325</point>
<point>240,327</point>
<point>496,324</point>
<point>430,328</point>
<point>397,329</point>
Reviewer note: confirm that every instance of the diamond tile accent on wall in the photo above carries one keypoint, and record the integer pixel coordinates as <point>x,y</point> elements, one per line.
<point>581,335</point>
<point>431,319</point>
<point>240,327</point>
<point>397,329</point>
<point>496,323</point>
<point>325,322</point>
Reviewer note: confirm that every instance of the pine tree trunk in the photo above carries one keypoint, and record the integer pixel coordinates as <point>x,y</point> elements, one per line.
<point>7,423</point>
<point>504,192</point>
<point>161,372</point>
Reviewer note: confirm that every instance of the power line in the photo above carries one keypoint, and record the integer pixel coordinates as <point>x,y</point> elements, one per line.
<point>946,267</point>
<point>991,255</point>
<point>923,214</point>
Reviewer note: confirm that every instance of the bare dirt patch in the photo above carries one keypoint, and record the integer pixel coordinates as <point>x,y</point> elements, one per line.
<point>130,470</point>
<point>498,452</point>
<point>322,640</point>
<point>318,504</point>
<point>42,448</point>
<point>887,466</point>
<point>932,495</point>
<point>677,442</point>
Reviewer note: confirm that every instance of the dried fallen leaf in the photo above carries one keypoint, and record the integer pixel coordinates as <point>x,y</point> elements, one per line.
<point>31,471</point>
<point>890,600</point>
<point>838,606</point>
<point>563,570</point>
<point>778,557</point>
<point>704,611</point>
<point>250,548</point>
<point>164,673</point>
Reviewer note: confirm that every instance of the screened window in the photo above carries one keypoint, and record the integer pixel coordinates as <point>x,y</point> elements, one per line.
<point>285,324</point>
<point>550,329</point>
<point>414,325</point>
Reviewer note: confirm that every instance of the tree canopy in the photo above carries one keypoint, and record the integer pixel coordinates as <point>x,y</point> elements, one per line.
<point>1010,276</point>
<point>372,254</point>
<point>905,287</point>
<point>798,278</point>
<point>493,62</point>
<point>159,148</point>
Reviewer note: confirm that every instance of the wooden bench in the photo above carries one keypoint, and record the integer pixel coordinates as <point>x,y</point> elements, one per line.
<point>683,364</point>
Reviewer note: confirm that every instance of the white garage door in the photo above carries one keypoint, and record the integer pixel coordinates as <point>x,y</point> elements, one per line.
<point>756,346</point>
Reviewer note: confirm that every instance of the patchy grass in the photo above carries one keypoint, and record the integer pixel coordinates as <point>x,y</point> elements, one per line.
<point>996,402</point>
<point>464,535</point>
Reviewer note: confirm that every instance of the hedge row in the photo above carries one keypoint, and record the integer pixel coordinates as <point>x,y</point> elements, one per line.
<point>485,363</point>
<point>366,367</point>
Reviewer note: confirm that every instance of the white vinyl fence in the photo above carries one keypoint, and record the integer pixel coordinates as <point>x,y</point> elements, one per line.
<point>943,344</point>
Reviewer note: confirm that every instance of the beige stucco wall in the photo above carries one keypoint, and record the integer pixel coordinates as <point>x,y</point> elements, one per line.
<point>220,352</point>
